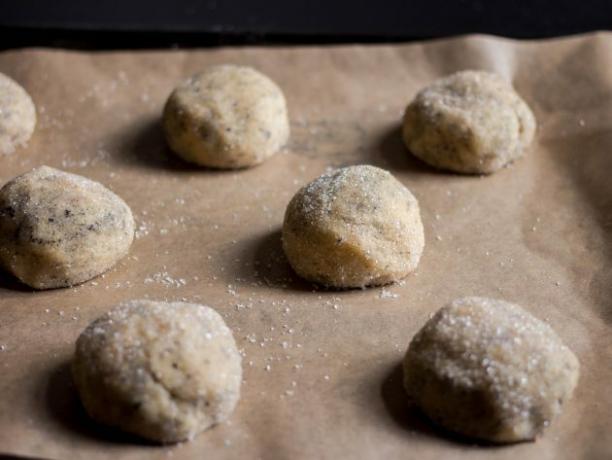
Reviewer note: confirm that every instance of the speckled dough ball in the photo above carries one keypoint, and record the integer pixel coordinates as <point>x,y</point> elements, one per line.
<point>489,370</point>
<point>226,117</point>
<point>17,115</point>
<point>468,122</point>
<point>162,371</point>
<point>354,227</point>
<point>59,229</point>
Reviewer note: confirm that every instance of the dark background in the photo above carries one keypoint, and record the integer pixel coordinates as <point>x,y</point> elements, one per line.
<point>155,23</point>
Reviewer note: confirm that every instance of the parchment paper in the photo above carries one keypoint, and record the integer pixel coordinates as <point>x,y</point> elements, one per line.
<point>537,233</point>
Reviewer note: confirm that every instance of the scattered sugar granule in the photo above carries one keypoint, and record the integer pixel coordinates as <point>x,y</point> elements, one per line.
<point>386,294</point>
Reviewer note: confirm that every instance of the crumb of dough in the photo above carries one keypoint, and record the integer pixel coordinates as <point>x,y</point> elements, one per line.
<point>353,227</point>
<point>226,117</point>
<point>17,116</point>
<point>59,229</point>
<point>489,370</point>
<point>164,371</point>
<point>469,122</point>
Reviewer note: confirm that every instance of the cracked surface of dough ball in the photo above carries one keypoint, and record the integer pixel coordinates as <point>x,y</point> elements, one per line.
<point>59,229</point>
<point>354,227</point>
<point>489,370</point>
<point>163,371</point>
<point>226,117</point>
<point>469,122</point>
<point>17,115</point>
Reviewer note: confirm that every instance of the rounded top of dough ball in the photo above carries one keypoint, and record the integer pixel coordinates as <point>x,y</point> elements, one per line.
<point>59,229</point>
<point>468,122</point>
<point>226,117</point>
<point>489,370</point>
<point>17,115</point>
<point>163,371</point>
<point>354,227</point>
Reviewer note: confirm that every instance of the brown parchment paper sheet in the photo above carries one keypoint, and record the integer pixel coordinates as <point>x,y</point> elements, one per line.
<point>537,233</point>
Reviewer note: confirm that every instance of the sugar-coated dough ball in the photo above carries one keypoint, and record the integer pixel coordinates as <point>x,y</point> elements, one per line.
<point>59,229</point>
<point>17,115</point>
<point>354,227</point>
<point>489,370</point>
<point>468,122</point>
<point>163,371</point>
<point>226,117</point>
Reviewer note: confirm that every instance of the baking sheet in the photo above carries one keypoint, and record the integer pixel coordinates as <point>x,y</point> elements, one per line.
<point>537,233</point>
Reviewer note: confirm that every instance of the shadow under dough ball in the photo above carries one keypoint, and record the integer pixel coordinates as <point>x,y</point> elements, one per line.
<point>469,122</point>
<point>354,227</point>
<point>489,370</point>
<point>17,115</point>
<point>163,371</point>
<point>59,229</point>
<point>226,117</point>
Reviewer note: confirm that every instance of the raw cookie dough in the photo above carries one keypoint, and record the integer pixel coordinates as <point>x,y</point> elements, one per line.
<point>226,117</point>
<point>468,122</point>
<point>489,370</point>
<point>17,115</point>
<point>163,371</point>
<point>354,227</point>
<point>59,229</point>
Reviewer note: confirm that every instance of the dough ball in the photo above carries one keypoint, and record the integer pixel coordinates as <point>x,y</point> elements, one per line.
<point>17,115</point>
<point>354,227</point>
<point>163,371</point>
<point>468,122</point>
<point>59,229</point>
<point>226,117</point>
<point>489,370</point>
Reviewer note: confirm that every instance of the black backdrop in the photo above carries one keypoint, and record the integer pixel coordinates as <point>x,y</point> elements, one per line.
<point>136,23</point>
